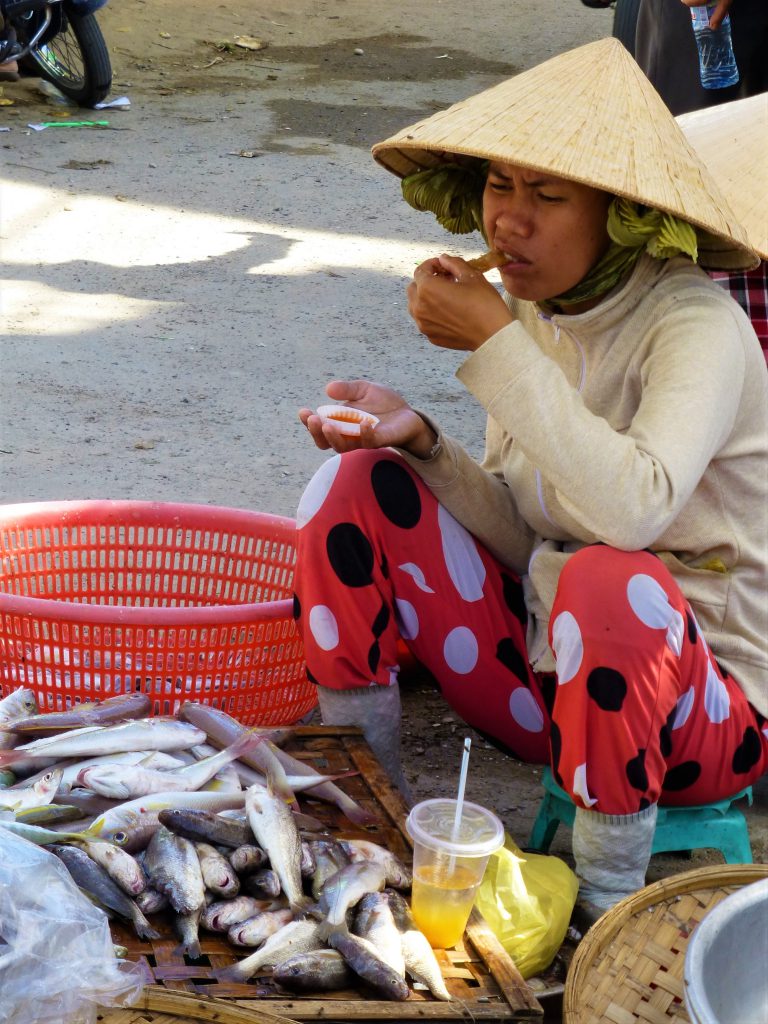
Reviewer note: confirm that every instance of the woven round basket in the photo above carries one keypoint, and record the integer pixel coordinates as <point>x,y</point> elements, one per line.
<point>629,966</point>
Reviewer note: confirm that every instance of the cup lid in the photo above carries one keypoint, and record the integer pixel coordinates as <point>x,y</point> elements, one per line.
<point>431,823</point>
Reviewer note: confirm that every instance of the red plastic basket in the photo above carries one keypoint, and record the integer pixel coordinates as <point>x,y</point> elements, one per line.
<point>181,602</point>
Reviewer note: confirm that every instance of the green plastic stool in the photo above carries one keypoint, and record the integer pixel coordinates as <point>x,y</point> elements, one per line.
<point>717,826</point>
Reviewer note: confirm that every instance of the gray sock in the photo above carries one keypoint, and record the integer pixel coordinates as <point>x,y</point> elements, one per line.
<point>377,711</point>
<point>612,853</point>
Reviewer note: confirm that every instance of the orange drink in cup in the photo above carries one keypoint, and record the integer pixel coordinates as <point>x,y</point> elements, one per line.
<point>449,861</point>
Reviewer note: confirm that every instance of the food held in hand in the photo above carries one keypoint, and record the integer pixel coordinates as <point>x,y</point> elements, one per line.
<point>346,418</point>
<point>488,261</point>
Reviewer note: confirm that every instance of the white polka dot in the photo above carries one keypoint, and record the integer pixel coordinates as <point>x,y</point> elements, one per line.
<point>676,633</point>
<point>717,703</point>
<point>418,576</point>
<point>407,619</point>
<point>580,785</point>
<point>568,646</point>
<point>460,650</point>
<point>462,559</point>
<point>649,601</point>
<point>525,711</point>
<point>317,491</point>
<point>683,708</point>
<point>323,626</point>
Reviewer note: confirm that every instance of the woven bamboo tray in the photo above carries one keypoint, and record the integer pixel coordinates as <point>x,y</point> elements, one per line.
<point>629,966</point>
<point>479,974</point>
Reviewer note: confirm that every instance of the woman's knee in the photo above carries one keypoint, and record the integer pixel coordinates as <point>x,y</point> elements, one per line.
<point>603,575</point>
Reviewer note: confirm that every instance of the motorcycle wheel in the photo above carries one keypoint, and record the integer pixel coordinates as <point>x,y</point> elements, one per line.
<point>76,60</point>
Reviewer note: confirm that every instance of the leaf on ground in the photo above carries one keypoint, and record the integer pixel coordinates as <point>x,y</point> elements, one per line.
<point>250,43</point>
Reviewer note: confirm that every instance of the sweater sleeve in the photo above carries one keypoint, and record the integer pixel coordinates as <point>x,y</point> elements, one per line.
<point>478,497</point>
<point>624,486</point>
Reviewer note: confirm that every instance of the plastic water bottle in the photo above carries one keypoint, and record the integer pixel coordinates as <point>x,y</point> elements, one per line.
<point>717,64</point>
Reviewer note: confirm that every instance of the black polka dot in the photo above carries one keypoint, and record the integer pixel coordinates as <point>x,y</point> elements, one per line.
<point>374,656</point>
<point>381,621</point>
<point>513,597</point>
<point>748,752</point>
<point>311,678</point>
<point>607,688</point>
<point>693,633</point>
<point>636,773</point>
<point>296,607</point>
<point>665,734</point>
<point>682,776</point>
<point>555,749</point>
<point>350,554</point>
<point>396,493</point>
<point>644,802</point>
<point>384,568</point>
<point>511,658</point>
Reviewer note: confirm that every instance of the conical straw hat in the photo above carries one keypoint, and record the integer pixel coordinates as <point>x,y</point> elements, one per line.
<point>589,115</point>
<point>732,140</point>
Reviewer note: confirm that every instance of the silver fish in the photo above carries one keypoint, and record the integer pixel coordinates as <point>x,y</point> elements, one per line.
<point>330,857</point>
<point>50,814</point>
<point>120,708</point>
<point>207,827</point>
<point>97,883</point>
<point>328,791</point>
<point>420,960</point>
<point>121,867</point>
<point>256,929</point>
<point>361,850</point>
<point>128,824</point>
<point>173,867</point>
<point>37,795</point>
<point>218,874</point>
<point>276,833</point>
<point>222,915</point>
<point>17,705</point>
<point>344,889</point>
<point>222,730</point>
<point>296,937</point>
<point>129,782</point>
<point>247,858</point>
<point>364,959</point>
<point>374,922</point>
<point>323,970</point>
<point>144,734</point>
<point>150,901</point>
<point>264,884</point>
<point>71,767</point>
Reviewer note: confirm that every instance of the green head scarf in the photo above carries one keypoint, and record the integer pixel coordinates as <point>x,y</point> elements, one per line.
<point>454,194</point>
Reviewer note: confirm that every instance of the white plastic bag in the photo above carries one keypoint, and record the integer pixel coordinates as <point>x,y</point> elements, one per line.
<point>57,962</point>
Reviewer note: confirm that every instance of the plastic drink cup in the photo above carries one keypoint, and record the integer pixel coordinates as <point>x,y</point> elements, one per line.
<point>449,864</point>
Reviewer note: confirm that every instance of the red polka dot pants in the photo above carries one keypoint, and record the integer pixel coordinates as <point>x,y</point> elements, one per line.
<point>639,711</point>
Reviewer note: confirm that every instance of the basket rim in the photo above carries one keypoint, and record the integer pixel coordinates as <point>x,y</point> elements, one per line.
<point>37,514</point>
<point>605,930</point>
<point>30,513</point>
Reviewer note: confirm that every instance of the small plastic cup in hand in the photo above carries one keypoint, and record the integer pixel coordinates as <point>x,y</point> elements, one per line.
<point>449,864</point>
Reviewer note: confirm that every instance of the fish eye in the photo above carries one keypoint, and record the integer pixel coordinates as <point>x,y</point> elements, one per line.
<point>120,838</point>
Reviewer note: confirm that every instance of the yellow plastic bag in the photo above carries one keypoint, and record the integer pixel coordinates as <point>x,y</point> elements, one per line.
<point>527,900</point>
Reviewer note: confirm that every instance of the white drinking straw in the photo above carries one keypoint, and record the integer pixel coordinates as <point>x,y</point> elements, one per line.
<point>462,787</point>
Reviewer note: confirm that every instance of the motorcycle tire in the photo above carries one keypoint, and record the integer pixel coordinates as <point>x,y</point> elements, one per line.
<point>76,60</point>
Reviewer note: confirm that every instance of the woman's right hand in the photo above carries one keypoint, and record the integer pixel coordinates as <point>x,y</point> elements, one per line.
<point>399,425</point>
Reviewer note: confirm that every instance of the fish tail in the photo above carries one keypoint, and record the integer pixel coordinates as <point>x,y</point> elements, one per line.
<point>357,814</point>
<point>279,787</point>
<point>245,744</point>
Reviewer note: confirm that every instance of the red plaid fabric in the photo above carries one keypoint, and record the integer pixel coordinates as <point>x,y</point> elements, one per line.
<point>750,290</point>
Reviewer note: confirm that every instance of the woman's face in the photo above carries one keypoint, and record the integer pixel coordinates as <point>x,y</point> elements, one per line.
<point>553,230</point>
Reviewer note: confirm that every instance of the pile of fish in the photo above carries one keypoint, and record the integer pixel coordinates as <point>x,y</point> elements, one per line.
<point>197,816</point>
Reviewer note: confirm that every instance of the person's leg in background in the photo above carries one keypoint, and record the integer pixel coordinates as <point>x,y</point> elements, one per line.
<point>642,713</point>
<point>380,558</point>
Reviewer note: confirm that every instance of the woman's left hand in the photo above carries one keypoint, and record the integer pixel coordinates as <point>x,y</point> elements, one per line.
<point>453,305</point>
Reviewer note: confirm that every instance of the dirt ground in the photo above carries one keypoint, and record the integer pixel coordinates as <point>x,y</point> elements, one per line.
<point>176,285</point>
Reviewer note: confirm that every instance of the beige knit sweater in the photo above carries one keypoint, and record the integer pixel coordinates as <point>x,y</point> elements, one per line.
<point>642,423</point>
